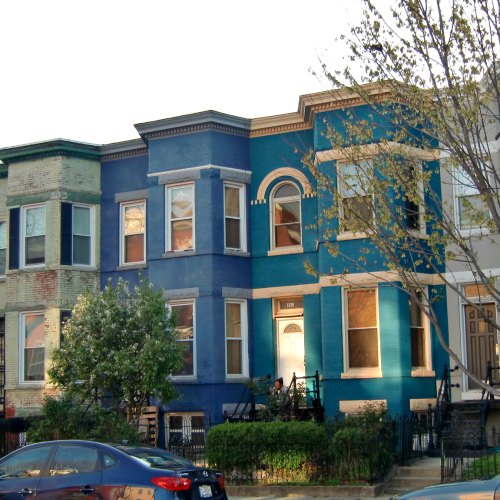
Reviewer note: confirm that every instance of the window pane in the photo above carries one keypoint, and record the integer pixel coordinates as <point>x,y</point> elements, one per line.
<point>134,219</point>
<point>417,347</point>
<point>354,179</point>
<point>3,261</point>
<point>233,320</point>
<point>182,235</point>
<point>35,221</point>
<point>286,190</point>
<point>233,233</point>
<point>287,212</point>
<point>473,211</point>
<point>288,235</point>
<point>81,221</point>
<point>363,348</point>
<point>134,248</point>
<point>34,350</point>
<point>74,460</point>
<point>35,250</point>
<point>356,211</point>
<point>27,463</point>
<point>233,352</point>
<point>81,250</point>
<point>362,312</point>
<point>3,235</point>
<point>232,201</point>
<point>181,202</point>
<point>183,317</point>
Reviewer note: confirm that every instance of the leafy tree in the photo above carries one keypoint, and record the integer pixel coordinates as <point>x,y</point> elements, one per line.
<point>428,72</point>
<point>118,349</point>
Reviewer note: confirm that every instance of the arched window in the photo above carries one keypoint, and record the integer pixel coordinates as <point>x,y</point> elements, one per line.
<point>285,215</point>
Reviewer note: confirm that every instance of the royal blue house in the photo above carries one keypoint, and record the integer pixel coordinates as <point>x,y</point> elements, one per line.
<point>220,212</point>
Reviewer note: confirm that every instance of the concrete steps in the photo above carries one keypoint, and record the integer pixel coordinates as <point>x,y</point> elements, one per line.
<point>422,473</point>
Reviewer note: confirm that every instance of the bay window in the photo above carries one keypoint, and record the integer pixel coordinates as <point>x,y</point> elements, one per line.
<point>180,217</point>
<point>236,338</point>
<point>133,232</point>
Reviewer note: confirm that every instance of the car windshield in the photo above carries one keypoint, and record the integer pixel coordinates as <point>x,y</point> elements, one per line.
<point>155,457</point>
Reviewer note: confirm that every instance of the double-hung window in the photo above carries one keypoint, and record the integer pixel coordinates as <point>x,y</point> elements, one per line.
<point>3,247</point>
<point>355,196</point>
<point>236,338</point>
<point>77,234</point>
<point>133,232</point>
<point>33,235</point>
<point>234,217</point>
<point>180,217</point>
<point>420,356</point>
<point>285,213</point>
<point>184,317</point>
<point>414,213</point>
<point>361,330</point>
<point>32,333</point>
<point>472,210</point>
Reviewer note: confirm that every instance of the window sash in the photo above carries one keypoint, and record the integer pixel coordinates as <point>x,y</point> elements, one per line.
<point>286,216</point>
<point>34,235</point>
<point>184,313</point>
<point>180,217</point>
<point>234,217</point>
<point>82,235</point>
<point>33,342</point>
<point>133,231</point>
<point>361,329</point>
<point>418,334</point>
<point>472,210</point>
<point>3,247</point>
<point>236,338</point>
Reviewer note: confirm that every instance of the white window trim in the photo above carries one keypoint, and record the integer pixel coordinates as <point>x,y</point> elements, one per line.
<point>372,372</point>
<point>168,229</point>
<point>183,303</point>
<point>244,339</point>
<point>242,218</point>
<point>92,233</point>
<point>291,248</point>
<point>22,245</point>
<point>347,234</point>
<point>123,206</point>
<point>424,371</point>
<point>21,332</point>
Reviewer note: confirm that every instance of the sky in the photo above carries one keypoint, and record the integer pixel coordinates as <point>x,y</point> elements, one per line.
<point>89,70</point>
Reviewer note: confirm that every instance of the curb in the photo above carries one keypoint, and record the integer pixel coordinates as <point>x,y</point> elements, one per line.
<point>365,491</point>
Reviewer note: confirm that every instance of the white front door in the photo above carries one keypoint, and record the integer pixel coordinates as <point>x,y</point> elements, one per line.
<point>291,355</point>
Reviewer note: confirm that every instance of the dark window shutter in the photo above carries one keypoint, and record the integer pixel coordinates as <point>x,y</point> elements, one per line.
<point>66,233</point>
<point>14,238</point>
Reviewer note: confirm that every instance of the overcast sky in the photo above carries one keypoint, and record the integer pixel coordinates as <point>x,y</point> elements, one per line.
<point>89,70</point>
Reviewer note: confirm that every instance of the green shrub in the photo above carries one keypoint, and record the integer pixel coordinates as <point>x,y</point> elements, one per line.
<point>284,449</point>
<point>482,468</point>
<point>63,419</point>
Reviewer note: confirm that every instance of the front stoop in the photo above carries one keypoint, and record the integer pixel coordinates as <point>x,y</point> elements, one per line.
<point>305,491</point>
<point>423,473</point>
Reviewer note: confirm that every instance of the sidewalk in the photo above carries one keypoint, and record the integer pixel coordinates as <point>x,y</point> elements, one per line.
<point>301,497</point>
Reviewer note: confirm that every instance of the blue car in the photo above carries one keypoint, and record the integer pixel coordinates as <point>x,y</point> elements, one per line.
<point>72,469</point>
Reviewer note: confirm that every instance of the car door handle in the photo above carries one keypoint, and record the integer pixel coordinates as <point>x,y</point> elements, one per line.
<point>25,492</point>
<point>87,490</point>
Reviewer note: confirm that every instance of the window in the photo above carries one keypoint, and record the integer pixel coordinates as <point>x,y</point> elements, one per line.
<point>184,321</point>
<point>3,247</point>
<point>77,234</point>
<point>33,343</point>
<point>33,236</point>
<point>74,459</point>
<point>236,338</point>
<point>180,217</point>
<point>361,329</point>
<point>414,198</point>
<point>285,210</point>
<point>472,210</point>
<point>27,463</point>
<point>418,331</point>
<point>356,198</point>
<point>185,429</point>
<point>133,232</point>
<point>234,217</point>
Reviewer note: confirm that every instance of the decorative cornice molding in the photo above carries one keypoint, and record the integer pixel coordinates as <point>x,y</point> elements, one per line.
<point>194,123</point>
<point>46,149</point>
<point>125,149</point>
